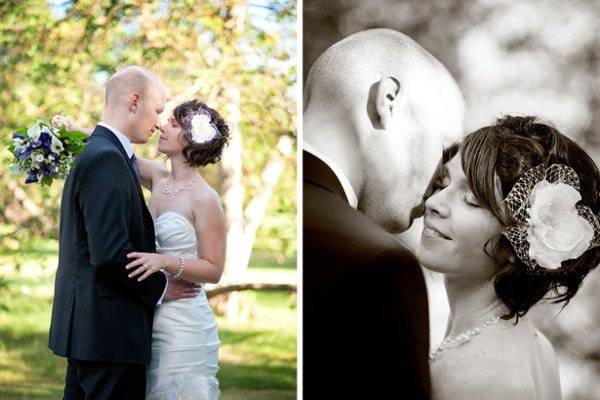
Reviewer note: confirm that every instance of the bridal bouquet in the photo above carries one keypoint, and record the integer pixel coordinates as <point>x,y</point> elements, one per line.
<point>44,152</point>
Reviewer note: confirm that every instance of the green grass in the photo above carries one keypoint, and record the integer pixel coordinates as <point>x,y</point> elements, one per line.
<point>270,261</point>
<point>257,357</point>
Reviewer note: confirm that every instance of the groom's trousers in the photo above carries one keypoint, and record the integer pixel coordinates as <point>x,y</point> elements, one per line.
<point>92,380</point>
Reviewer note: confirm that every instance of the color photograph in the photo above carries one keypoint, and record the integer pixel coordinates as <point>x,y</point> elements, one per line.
<point>148,199</point>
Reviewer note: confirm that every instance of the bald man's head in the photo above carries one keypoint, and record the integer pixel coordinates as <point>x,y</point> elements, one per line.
<point>382,106</point>
<point>134,99</point>
<point>340,72</point>
<point>130,79</point>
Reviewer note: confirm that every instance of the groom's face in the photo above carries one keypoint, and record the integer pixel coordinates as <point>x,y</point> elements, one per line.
<point>401,165</point>
<point>147,117</point>
<point>419,115</point>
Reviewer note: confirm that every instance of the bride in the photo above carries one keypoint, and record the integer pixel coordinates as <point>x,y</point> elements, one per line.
<point>513,220</point>
<point>190,242</point>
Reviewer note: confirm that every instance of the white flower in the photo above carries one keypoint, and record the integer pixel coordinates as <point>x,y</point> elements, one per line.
<point>556,232</point>
<point>39,158</point>
<point>56,145</point>
<point>19,144</point>
<point>34,132</point>
<point>202,130</point>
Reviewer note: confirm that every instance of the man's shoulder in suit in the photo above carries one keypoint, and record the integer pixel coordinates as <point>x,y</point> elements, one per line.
<point>98,150</point>
<point>333,228</point>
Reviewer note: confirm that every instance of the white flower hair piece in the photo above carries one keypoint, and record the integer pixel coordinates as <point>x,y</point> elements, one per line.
<point>551,227</point>
<point>202,130</point>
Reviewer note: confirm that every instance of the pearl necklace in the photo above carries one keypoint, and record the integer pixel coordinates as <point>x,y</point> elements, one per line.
<point>167,192</point>
<point>459,340</point>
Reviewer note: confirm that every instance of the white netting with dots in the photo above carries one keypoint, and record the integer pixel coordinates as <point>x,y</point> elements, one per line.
<point>518,203</point>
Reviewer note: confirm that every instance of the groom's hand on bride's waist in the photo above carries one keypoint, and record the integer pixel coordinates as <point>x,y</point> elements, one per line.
<point>178,289</point>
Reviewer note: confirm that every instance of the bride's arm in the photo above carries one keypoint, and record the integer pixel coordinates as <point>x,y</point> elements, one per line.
<point>209,224</point>
<point>150,171</point>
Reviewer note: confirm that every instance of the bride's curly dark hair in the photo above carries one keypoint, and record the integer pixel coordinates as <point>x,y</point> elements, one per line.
<point>201,154</point>
<point>502,153</point>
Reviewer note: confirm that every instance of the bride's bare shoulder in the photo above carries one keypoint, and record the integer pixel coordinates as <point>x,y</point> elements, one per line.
<point>507,362</point>
<point>492,380</point>
<point>202,192</point>
<point>205,200</point>
<point>490,367</point>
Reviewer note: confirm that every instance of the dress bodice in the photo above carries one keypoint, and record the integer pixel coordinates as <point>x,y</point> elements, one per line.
<point>175,235</point>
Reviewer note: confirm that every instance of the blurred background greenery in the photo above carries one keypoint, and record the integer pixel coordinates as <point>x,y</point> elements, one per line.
<point>537,57</point>
<point>239,56</point>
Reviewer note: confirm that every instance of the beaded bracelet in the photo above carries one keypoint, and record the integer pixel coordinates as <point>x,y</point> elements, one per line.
<point>181,265</point>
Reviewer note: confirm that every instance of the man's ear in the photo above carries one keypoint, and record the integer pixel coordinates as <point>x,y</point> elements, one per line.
<point>386,99</point>
<point>134,102</point>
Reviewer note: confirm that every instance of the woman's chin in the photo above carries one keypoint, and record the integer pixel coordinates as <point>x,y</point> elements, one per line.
<point>429,261</point>
<point>162,150</point>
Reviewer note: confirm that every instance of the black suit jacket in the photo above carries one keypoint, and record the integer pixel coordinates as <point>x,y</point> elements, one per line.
<point>99,314</point>
<point>366,327</point>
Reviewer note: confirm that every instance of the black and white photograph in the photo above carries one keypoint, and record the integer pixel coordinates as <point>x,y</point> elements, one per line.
<point>451,194</point>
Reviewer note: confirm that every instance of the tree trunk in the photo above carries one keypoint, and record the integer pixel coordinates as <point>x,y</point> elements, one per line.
<point>233,188</point>
<point>256,208</point>
<point>236,287</point>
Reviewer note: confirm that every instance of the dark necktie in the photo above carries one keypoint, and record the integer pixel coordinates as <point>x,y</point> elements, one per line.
<point>136,167</point>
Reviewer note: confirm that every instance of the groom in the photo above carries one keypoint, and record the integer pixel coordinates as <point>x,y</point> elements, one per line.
<point>378,112</point>
<point>101,319</point>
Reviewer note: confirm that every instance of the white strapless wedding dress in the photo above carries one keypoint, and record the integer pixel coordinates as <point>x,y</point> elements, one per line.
<point>185,341</point>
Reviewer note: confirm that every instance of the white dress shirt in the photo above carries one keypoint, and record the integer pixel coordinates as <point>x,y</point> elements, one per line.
<point>344,181</point>
<point>129,150</point>
<point>122,138</point>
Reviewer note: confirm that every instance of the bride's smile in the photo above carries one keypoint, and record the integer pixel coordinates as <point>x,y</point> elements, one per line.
<point>431,232</point>
<point>455,228</point>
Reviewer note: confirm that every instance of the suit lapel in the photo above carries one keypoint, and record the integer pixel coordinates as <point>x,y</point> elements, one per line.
<point>107,134</point>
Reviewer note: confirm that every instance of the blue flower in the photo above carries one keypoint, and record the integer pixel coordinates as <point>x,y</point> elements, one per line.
<point>48,170</point>
<point>22,154</point>
<point>31,178</point>
<point>46,140</point>
<point>18,136</point>
<point>35,144</point>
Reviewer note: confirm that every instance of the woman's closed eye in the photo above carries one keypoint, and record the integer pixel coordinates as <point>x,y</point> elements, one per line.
<point>470,201</point>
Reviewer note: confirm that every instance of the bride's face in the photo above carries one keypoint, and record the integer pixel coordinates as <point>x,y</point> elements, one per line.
<point>456,228</point>
<point>171,140</point>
